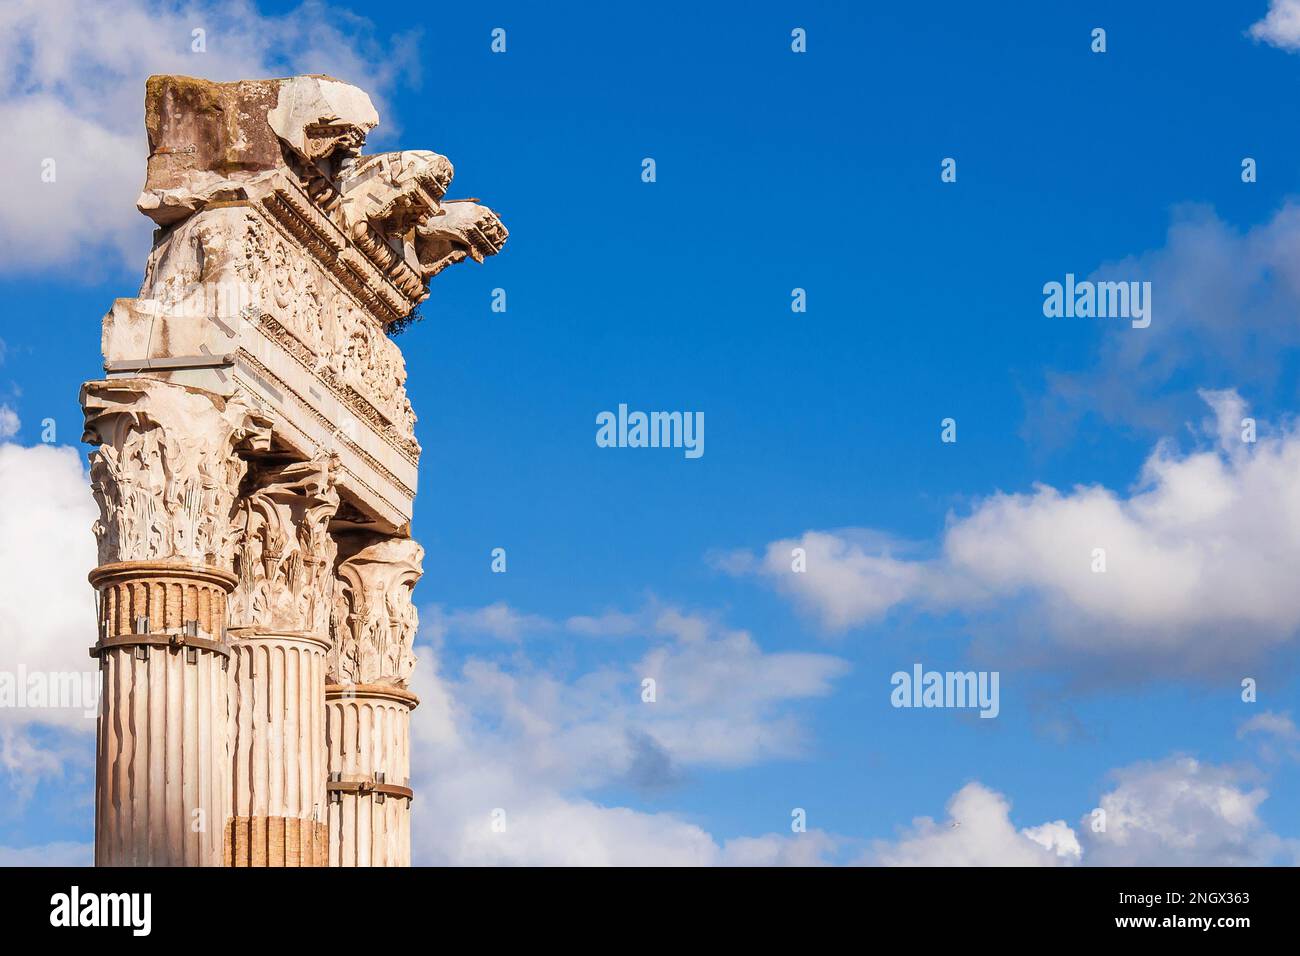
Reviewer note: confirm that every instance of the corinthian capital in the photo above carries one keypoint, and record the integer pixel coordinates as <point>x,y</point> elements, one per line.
<point>167,470</point>
<point>374,618</point>
<point>285,555</point>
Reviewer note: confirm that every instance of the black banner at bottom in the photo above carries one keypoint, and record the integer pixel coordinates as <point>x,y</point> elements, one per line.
<point>381,907</point>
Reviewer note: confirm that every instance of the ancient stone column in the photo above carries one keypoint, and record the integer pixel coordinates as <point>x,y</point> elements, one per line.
<point>279,617</point>
<point>165,475</point>
<point>369,707</point>
<point>285,261</point>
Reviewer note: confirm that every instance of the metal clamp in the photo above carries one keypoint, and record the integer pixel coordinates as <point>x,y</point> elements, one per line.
<point>366,786</point>
<point>173,642</point>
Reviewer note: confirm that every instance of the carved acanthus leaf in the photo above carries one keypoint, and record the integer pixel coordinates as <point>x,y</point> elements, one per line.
<point>375,620</point>
<point>285,554</point>
<point>166,472</point>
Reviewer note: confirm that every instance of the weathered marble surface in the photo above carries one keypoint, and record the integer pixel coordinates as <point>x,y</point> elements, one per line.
<point>255,465</point>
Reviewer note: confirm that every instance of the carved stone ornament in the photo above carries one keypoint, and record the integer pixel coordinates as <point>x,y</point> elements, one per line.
<point>375,621</point>
<point>464,230</point>
<point>256,468</point>
<point>166,473</point>
<point>216,143</point>
<point>285,554</point>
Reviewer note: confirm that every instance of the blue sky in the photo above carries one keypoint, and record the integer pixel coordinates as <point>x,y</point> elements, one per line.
<point>776,171</point>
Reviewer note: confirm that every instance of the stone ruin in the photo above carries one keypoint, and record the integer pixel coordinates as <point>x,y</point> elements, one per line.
<point>255,465</point>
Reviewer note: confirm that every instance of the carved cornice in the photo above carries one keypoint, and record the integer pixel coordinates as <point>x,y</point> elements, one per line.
<point>387,296</point>
<point>247,358</point>
<point>293,146</point>
<point>357,403</point>
<point>370,242</point>
<point>464,230</point>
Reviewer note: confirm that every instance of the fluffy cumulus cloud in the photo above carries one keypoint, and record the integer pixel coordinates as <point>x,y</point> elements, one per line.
<point>47,609</point>
<point>48,686</point>
<point>1182,812</point>
<point>531,750</point>
<point>525,748</point>
<point>1280,26</point>
<point>978,832</point>
<point>1173,812</point>
<point>72,92</point>
<point>1189,557</point>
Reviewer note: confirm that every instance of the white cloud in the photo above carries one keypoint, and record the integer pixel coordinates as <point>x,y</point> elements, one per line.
<point>9,423</point>
<point>813,848</point>
<point>533,744</point>
<point>50,854</point>
<point>59,759</point>
<point>72,90</point>
<point>1280,726</point>
<point>719,696</point>
<point>1201,547</point>
<point>24,763</point>
<point>1275,736</point>
<point>1172,812</point>
<point>1224,307</point>
<point>1281,26</point>
<point>474,777</point>
<point>977,832</point>
<point>849,577</point>
<point>47,608</point>
<point>1057,837</point>
<point>608,624</point>
<point>1182,812</point>
<point>497,621</point>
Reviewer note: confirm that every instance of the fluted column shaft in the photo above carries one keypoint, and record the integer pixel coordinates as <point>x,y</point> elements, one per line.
<point>162,773</point>
<point>368,736</point>
<point>369,719</point>
<point>277,749</point>
<point>280,635</point>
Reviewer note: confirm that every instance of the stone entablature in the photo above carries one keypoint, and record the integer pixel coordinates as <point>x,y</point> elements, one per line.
<point>282,259</point>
